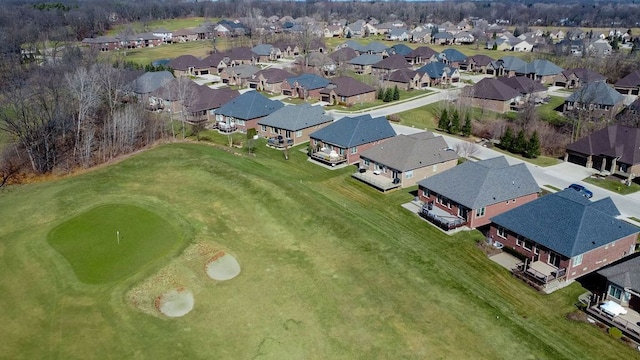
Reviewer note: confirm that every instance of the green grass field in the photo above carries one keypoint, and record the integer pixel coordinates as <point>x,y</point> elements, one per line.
<point>331,269</point>
<point>110,242</point>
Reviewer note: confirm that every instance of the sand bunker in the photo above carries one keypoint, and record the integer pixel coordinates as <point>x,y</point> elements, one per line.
<point>175,303</point>
<point>222,267</point>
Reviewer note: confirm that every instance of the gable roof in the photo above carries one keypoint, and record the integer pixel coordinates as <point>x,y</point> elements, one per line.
<point>625,274</point>
<point>343,54</point>
<point>392,62</point>
<point>308,81</point>
<point>522,84</point>
<point>262,49</point>
<point>631,80</point>
<point>408,152</point>
<point>375,47</point>
<point>452,55</point>
<point>510,63</point>
<point>184,62</point>
<point>207,98</point>
<point>540,68</point>
<point>354,131</point>
<point>565,222</point>
<point>347,86</point>
<point>477,184</point>
<point>296,117</point>
<point>365,59</point>
<point>401,49</point>
<point>249,105</point>
<point>423,51</point>
<point>403,75</point>
<point>616,141</point>
<point>597,92</point>
<point>243,71</point>
<point>239,53</point>
<point>150,81</point>
<point>435,70</point>
<point>272,75</point>
<point>214,59</point>
<point>491,89</point>
<point>585,75</point>
<point>479,59</point>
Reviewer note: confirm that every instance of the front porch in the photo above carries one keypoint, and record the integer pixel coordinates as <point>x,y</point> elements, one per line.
<point>541,275</point>
<point>377,180</point>
<point>441,218</point>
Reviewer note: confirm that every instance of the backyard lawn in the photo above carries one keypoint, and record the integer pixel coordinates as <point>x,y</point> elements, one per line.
<point>331,269</point>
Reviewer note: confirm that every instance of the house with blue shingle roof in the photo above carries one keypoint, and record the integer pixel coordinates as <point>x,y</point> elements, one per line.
<point>305,86</point>
<point>564,236</point>
<point>362,64</point>
<point>243,112</point>
<point>597,98</point>
<point>452,57</point>
<point>438,74</point>
<point>344,140</point>
<point>543,71</point>
<point>506,66</point>
<point>475,191</point>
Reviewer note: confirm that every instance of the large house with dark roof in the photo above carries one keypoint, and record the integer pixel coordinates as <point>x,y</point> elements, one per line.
<point>630,84</point>
<point>543,71</point>
<point>344,140</point>
<point>238,75</point>
<point>614,149</point>
<point>598,98</point>
<point>563,236</point>
<point>422,55</point>
<point>577,77</point>
<point>348,91</point>
<point>623,282</point>
<point>245,111</point>
<point>438,74</point>
<point>291,125</point>
<point>404,160</point>
<point>471,193</point>
<point>390,64</point>
<point>305,86</point>
<point>363,64</point>
<point>527,88</point>
<point>269,79</point>
<point>491,94</point>
<point>452,57</point>
<point>476,63</point>
<point>404,79</point>
<point>205,101</point>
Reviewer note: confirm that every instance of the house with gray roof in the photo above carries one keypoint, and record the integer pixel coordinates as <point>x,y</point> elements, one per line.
<point>543,71</point>
<point>344,140</point>
<point>269,79</point>
<point>563,236</point>
<point>404,160</point>
<point>422,55</point>
<point>201,109</point>
<point>405,79</point>
<point>343,55</point>
<point>599,48</point>
<point>630,84</point>
<point>452,57</point>
<point>614,149</point>
<point>363,64</point>
<point>438,74</point>
<point>506,66</point>
<point>476,63</point>
<point>400,49</point>
<point>577,77</point>
<point>475,191</point>
<point>442,38</point>
<point>292,125</point>
<point>599,99</point>
<point>389,64</point>
<point>347,91</point>
<point>266,53</point>
<point>491,94</point>
<point>398,34</point>
<point>376,48</point>
<point>623,282</point>
<point>238,75</point>
<point>151,81</point>
<point>245,111</point>
<point>304,86</point>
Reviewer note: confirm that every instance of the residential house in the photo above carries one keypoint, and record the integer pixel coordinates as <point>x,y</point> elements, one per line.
<point>557,35</point>
<point>240,56</point>
<point>386,66</point>
<point>598,98</point>
<point>344,140</point>
<point>577,77</point>
<point>614,149</point>
<point>476,63</point>
<point>316,45</point>
<point>150,81</point>
<point>442,38</point>
<point>563,236</point>
<point>184,35</point>
<point>244,112</point>
<point>399,35</point>
<point>543,71</point>
<point>269,79</point>
<point>490,94</point>
<point>473,192</point>
<point>288,50</point>
<point>421,36</point>
<point>438,74</point>
<point>343,55</point>
<point>363,64</point>
<point>331,31</point>
<point>422,55</point>
<point>463,37</point>
<point>238,75</point>
<point>201,109</point>
<point>404,160</point>
<point>623,282</point>
<point>522,46</point>
<point>292,125</point>
<point>500,44</point>
<point>452,57</point>
<point>164,34</point>
<point>400,49</point>
<point>506,66</point>
<point>599,48</point>
<point>404,79</point>
<point>147,39</point>
<point>347,91</point>
<point>173,96</point>
<point>188,65</point>
<point>528,89</point>
<point>305,86</point>
<point>266,53</point>
<point>570,47</point>
<point>216,62</point>
<point>375,48</point>
<point>319,61</point>
<point>356,29</point>
<point>102,43</point>
<point>630,84</point>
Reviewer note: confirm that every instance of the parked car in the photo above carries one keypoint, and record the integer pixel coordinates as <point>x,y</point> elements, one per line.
<point>582,190</point>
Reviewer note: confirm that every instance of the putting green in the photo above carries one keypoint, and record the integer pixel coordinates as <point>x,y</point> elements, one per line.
<point>111,242</point>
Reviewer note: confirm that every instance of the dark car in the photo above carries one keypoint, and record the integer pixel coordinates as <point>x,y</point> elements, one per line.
<point>582,190</point>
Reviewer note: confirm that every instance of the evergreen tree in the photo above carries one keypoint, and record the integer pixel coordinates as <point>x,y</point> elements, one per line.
<point>380,95</point>
<point>454,125</point>
<point>348,34</point>
<point>506,141</point>
<point>495,46</point>
<point>388,95</point>
<point>533,146</point>
<point>519,144</point>
<point>396,93</point>
<point>466,129</point>
<point>443,123</point>
<point>516,32</point>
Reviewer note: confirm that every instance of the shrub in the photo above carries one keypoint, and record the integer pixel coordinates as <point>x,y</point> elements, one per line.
<point>615,333</point>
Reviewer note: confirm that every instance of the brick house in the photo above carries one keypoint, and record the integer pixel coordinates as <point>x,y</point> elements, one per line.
<point>238,75</point>
<point>201,109</point>
<point>630,84</point>
<point>245,111</point>
<point>305,86</point>
<point>269,79</point>
<point>476,63</point>
<point>404,79</point>
<point>623,282</point>
<point>563,236</point>
<point>404,160</point>
<point>577,77</point>
<point>292,125</point>
<point>344,140</point>
<point>599,99</point>
<point>389,64</point>
<point>422,55</point>
<point>489,93</point>
<point>475,191</point>
<point>347,91</point>
<point>438,74</point>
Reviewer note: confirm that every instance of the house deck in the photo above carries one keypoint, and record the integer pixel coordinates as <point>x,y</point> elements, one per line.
<point>541,276</point>
<point>331,159</point>
<point>378,181</point>
<point>628,323</point>
<point>441,218</point>
<point>279,142</point>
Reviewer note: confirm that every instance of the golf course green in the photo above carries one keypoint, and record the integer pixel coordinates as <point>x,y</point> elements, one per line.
<point>110,242</point>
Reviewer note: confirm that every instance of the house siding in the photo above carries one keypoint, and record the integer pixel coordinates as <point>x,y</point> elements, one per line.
<point>351,158</point>
<point>493,105</point>
<point>418,174</point>
<point>296,140</point>
<point>357,99</point>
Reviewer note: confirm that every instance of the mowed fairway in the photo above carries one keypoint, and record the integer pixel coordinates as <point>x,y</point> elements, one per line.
<point>331,269</point>
<point>110,242</point>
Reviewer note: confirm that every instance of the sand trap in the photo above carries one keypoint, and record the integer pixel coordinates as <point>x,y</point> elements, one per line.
<point>175,303</point>
<point>223,267</point>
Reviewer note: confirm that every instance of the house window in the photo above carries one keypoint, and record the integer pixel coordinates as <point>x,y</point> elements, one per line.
<point>240,122</point>
<point>366,162</point>
<point>354,149</point>
<point>528,245</point>
<point>273,130</point>
<point>615,292</point>
<point>577,260</point>
<point>536,251</point>
<point>480,212</point>
<point>263,128</point>
<point>500,232</point>
<point>315,142</point>
<point>299,133</point>
<point>518,240</point>
<point>408,174</point>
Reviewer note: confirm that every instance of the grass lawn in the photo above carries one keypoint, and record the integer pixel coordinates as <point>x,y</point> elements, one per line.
<point>540,160</point>
<point>330,269</point>
<point>613,184</point>
<point>169,24</point>
<point>552,187</point>
<point>548,113</point>
<point>110,242</point>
